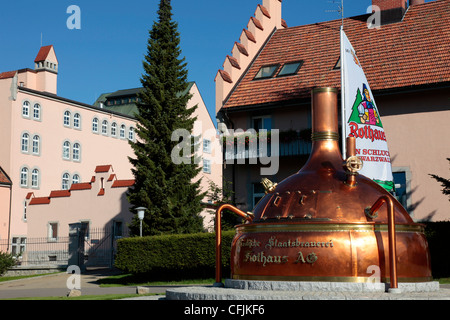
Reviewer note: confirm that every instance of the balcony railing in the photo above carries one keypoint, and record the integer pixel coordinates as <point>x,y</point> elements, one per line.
<point>255,148</point>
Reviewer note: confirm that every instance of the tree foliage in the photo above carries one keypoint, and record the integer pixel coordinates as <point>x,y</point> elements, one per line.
<point>445,183</point>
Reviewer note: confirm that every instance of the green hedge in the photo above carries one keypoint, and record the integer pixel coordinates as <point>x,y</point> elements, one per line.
<point>193,255</point>
<point>173,256</point>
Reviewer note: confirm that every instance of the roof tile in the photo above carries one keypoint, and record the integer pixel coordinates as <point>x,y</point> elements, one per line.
<point>415,51</point>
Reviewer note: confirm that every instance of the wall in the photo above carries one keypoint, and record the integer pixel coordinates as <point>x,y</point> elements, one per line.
<point>96,205</point>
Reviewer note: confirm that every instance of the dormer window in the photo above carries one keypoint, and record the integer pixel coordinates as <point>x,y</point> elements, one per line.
<point>266,71</point>
<point>290,68</point>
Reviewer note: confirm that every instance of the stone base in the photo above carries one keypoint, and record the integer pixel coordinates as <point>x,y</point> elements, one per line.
<point>324,286</point>
<point>286,290</point>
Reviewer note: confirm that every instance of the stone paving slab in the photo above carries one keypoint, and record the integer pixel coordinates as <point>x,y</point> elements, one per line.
<point>216,293</point>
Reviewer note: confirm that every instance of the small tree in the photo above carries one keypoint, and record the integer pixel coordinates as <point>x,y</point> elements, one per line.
<point>445,183</point>
<point>7,261</point>
<point>219,196</point>
<point>165,188</point>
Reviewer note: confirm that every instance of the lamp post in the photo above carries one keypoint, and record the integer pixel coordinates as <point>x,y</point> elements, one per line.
<point>140,212</point>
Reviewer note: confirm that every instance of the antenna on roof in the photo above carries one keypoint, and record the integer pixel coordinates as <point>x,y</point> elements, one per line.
<point>41,39</point>
<point>340,10</point>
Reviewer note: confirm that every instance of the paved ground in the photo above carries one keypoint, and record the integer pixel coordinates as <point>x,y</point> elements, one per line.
<point>56,286</point>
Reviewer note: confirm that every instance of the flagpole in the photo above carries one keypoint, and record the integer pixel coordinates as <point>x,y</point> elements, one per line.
<point>343,122</point>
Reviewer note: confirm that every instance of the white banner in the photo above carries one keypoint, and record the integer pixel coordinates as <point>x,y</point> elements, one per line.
<point>362,119</point>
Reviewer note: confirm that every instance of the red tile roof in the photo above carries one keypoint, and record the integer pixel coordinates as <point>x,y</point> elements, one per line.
<point>59,193</point>
<point>122,183</point>
<point>81,186</point>
<point>4,179</point>
<point>415,51</point>
<point>103,168</point>
<point>40,200</point>
<point>43,53</point>
<point>7,74</point>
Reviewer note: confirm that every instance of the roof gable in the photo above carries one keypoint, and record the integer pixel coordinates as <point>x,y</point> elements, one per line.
<point>46,53</point>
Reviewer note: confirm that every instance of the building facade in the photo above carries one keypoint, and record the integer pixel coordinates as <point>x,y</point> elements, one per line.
<point>267,81</point>
<point>51,145</point>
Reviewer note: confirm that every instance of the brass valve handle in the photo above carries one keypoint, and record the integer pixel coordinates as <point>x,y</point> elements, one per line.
<point>353,164</point>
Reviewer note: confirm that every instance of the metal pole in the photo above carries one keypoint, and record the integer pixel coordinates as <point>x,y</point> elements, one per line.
<point>391,234</point>
<point>218,228</point>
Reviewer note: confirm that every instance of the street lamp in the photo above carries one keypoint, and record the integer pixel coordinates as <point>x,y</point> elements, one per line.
<point>140,212</point>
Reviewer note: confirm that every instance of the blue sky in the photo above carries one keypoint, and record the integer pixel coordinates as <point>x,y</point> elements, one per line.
<point>106,54</point>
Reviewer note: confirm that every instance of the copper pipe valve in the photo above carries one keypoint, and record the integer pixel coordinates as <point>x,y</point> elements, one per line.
<point>352,164</point>
<point>268,185</point>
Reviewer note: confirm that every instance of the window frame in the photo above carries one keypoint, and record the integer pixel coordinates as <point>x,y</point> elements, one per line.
<point>37,106</point>
<point>66,150</point>
<point>95,122</point>
<point>25,142</point>
<point>276,66</point>
<point>300,62</point>
<point>67,116</point>
<point>24,176</point>
<point>26,106</point>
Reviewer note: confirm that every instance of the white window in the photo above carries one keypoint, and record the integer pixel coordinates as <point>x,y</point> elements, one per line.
<point>65,181</point>
<point>52,231</point>
<point>36,144</point>
<point>18,245</point>
<point>25,142</point>
<point>75,179</point>
<point>26,109</point>
<point>66,119</point>
<point>76,152</point>
<point>77,121</point>
<point>131,134</point>
<point>206,165</point>
<point>24,177</point>
<point>35,178</point>
<point>95,125</point>
<point>37,112</point>
<point>113,129</point>
<point>206,146</point>
<point>122,131</point>
<point>66,150</point>
<point>104,127</point>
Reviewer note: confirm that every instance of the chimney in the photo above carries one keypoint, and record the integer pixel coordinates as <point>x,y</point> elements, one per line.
<point>391,11</point>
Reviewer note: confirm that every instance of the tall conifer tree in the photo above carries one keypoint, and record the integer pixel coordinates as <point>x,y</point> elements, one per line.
<point>166,189</point>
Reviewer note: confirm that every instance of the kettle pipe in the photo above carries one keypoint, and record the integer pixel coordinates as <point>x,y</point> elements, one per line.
<point>246,216</point>
<point>371,213</point>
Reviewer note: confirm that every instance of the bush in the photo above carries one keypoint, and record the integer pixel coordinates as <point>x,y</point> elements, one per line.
<point>437,237</point>
<point>7,261</point>
<point>173,257</point>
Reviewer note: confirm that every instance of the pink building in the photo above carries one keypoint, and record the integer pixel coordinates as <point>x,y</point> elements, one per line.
<point>50,147</point>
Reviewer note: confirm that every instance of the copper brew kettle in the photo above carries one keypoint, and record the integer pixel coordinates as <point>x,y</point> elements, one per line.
<point>327,222</point>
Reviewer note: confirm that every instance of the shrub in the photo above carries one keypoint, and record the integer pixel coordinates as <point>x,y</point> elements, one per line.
<point>7,261</point>
<point>437,234</point>
<point>180,256</point>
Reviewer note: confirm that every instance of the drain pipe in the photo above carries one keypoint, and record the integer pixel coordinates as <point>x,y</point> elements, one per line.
<point>246,216</point>
<point>371,212</point>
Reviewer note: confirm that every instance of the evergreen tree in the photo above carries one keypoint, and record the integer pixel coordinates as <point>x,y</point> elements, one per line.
<point>166,189</point>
